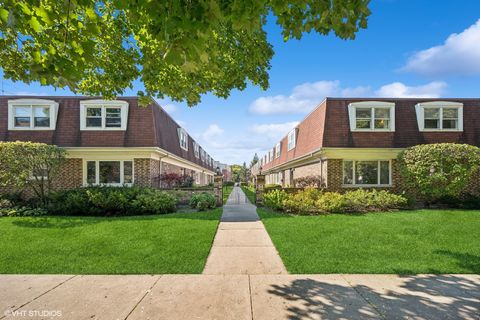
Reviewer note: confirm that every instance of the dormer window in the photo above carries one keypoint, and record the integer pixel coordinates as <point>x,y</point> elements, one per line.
<point>372,116</point>
<point>196,149</point>
<point>183,136</point>
<point>32,114</point>
<point>292,137</point>
<point>278,150</point>
<point>440,116</point>
<point>103,115</point>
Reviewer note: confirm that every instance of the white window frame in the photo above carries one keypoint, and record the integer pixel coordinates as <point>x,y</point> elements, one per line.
<point>355,185</point>
<point>196,149</point>
<point>271,154</point>
<point>278,150</point>
<point>182,133</point>
<point>352,115</point>
<point>53,113</point>
<point>202,154</point>
<point>420,111</point>
<point>97,172</point>
<point>292,139</point>
<point>104,104</point>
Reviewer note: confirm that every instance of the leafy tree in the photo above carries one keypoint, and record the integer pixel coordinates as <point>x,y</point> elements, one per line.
<point>29,165</point>
<point>177,48</point>
<point>254,160</point>
<point>438,170</point>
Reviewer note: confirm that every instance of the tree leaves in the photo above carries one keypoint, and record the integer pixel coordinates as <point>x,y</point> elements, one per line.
<point>178,48</point>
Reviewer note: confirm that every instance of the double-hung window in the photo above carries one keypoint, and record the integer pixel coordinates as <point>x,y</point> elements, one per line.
<point>196,149</point>
<point>32,114</point>
<point>183,137</point>
<point>440,116</point>
<point>103,115</point>
<point>278,150</point>
<point>109,172</point>
<point>372,116</point>
<point>292,137</point>
<point>366,173</point>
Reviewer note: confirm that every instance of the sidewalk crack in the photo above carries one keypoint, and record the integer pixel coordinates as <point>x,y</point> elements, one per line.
<point>251,299</point>
<point>374,307</point>
<point>143,297</point>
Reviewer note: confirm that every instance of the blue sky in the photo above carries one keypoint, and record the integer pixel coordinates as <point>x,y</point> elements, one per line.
<point>425,48</point>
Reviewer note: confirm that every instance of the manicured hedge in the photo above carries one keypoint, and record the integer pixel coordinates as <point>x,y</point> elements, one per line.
<point>203,201</point>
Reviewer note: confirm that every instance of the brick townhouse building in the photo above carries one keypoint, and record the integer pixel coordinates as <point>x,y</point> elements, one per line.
<point>353,143</point>
<point>107,142</point>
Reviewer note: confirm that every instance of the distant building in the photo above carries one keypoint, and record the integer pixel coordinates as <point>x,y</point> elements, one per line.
<point>224,169</point>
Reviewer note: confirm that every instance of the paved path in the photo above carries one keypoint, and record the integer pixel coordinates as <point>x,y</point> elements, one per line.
<point>240,297</point>
<point>242,245</point>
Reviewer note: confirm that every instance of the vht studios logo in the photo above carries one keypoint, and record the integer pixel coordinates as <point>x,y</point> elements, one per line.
<point>33,313</point>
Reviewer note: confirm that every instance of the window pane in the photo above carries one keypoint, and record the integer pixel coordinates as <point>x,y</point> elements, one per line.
<point>384,172</point>
<point>347,172</point>
<point>127,172</point>
<point>450,113</point>
<point>23,112</point>
<point>41,116</point>
<point>431,124</point>
<point>113,118</point>
<point>91,172</point>
<point>382,113</point>
<point>22,122</point>
<point>94,122</point>
<point>94,112</point>
<point>363,124</point>
<point>366,172</point>
<point>449,124</point>
<point>382,124</point>
<point>113,112</point>
<point>431,113</point>
<point>363,113</point>
<point>109,171</point>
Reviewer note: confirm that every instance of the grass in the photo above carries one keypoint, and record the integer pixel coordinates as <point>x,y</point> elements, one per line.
<point>405,242</point>
<point>226,193</point>
<point>250,193</point>
<point>174,243</point>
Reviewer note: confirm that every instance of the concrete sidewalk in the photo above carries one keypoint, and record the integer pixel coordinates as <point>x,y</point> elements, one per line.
<point>242,245</point>
<point>240,297</point>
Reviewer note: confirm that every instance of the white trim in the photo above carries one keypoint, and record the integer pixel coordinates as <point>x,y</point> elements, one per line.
<point>97,172</point>
<point>53,105</point>
<point>372,105</point>
<point>420,107</point>
<point>278,150</point>
<point>354,178</point>
<point>123,105</point>
<point>292,144</point>
<point>183,133</point>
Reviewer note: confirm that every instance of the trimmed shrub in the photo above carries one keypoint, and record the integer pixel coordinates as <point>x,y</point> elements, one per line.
<point>308,182</point>
<point>303,202</point>
<point>272,186</point>
<point>203,201</point>
<point>22,212</point>
<point>228,183</point>
<point>109,201</point>
<point>439,170</point>
<point>362,200</point>
<point>274,199</point>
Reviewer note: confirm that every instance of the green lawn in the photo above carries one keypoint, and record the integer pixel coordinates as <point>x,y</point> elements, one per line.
<point>226,192</point>
<point>174,243</point>
<point>405,242</point>
<point>250,193</point>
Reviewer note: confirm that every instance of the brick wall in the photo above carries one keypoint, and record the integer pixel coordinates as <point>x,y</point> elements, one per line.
<point>70,175</point>
<point>145,170</point>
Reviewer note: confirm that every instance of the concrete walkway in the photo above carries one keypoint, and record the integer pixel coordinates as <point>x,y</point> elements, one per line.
<point>242,245</point>
<point>240,297</point>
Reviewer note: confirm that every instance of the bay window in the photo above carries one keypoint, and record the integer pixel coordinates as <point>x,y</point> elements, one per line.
<point>440,116</point>
<point>367,172</point>
<point>372,116</point>
<point>103,115</point>
<point>109,172</point>
<point>32,114</point>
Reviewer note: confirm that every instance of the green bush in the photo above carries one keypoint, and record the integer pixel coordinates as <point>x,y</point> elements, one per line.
<point>274,199</point>
<point>272,186</point>
<point>203,201</point>
<point>439,170</point>
<point>108,201</point>
<point>228,183</point>
<point>314,201</point>
<point>22,212</point>
<point>303,202</point>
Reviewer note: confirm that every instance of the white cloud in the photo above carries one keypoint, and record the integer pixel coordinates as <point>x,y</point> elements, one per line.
<point>213,132</point>
<point>274,131</point>
<point>303,98</point>
<point>433,89</point>
<point>458,55</point>
<point>170,108</point>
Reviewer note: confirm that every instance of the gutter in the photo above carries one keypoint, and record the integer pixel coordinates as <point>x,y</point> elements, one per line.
<point>292,162</point>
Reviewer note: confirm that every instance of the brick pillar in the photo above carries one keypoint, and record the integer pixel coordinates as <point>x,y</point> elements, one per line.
<point>218,186</point>
<point>259,189</point>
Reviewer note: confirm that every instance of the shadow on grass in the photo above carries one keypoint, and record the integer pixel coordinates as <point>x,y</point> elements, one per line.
<point>424,297</point>
<point>61,222</point>
<point>464,260</point>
